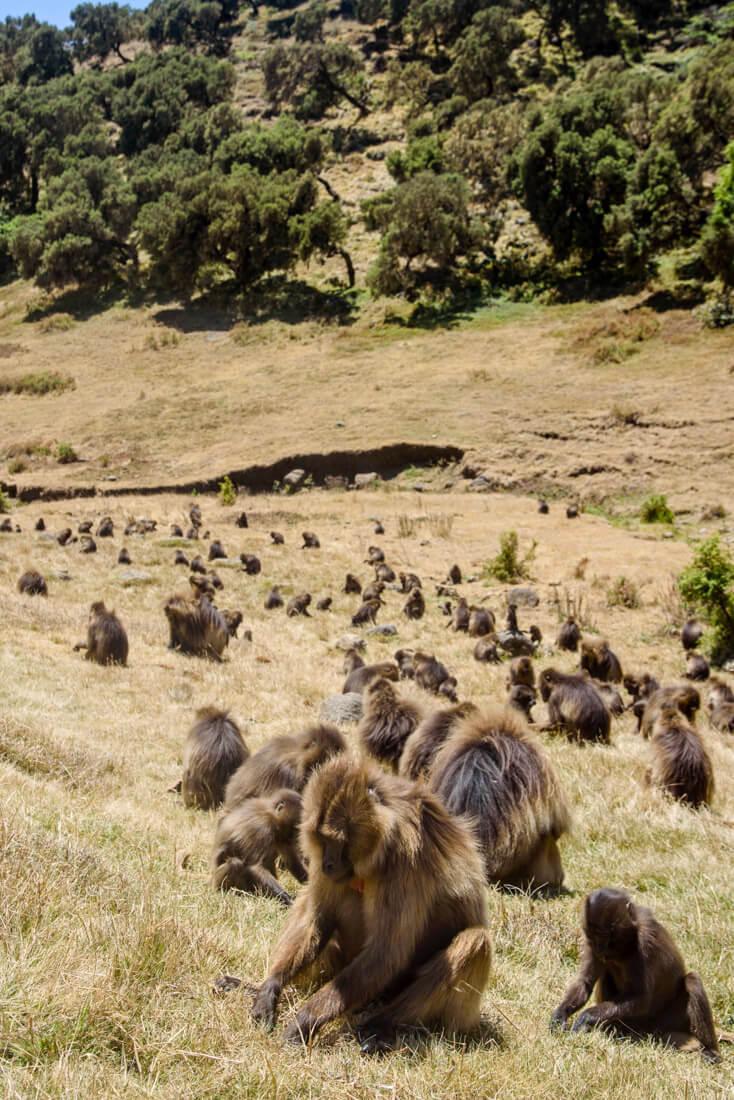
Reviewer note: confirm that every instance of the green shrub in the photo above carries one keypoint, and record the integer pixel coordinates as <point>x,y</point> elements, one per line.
<point>508,566</point>
<point>38,384</point>
<point>17,466</point>
<point>227,491</point>
<point>623,593</point>
<point>708,585</point>
<point>65,453</point>
<point>656,510</point>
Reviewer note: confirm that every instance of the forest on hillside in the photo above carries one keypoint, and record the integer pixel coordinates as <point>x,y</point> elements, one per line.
<point>127,162</point>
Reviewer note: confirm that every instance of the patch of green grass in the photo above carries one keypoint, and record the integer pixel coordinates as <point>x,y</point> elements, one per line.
<point>227,491</point>
<point>38,384</point>
<point>508,566</point>
<point>656,510</point>
<point>65,454</point>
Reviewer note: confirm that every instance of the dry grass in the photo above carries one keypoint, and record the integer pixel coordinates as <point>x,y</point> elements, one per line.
<point>109,950</point>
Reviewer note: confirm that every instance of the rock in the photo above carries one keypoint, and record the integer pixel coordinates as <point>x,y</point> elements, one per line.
<point>523,597</point>
<point>350,641</point>
<point>387,630</point>
<point>60,575</point>
<point>294,479</point>
<point>342,709</point>
<point>135,576</point>
<point>336,481</point>
<point>365,481</point>
<point>480,484</point>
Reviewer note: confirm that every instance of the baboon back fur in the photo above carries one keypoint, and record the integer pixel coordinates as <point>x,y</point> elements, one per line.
<point>213,752</point>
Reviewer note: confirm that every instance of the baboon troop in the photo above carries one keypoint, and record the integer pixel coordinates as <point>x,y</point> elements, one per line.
<point>196,627</point>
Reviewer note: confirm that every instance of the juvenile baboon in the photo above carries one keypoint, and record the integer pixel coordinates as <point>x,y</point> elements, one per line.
<point>512,619</point>
<point>460,617</point>
<point>310,541</point>
<point>640,685</point>
<point>84,527</point>
<point>324,604</point>
<point>180,558</point>
<point>642,987</point>
<point>420,749</point>
<point>575,706</point>
<point>722,717</point>
<point>395,897</point>
<point>697,667</point>
<point>351,584</point>
<point>599,660</point>
<point>481,622</point>
<point>385,573</point>
<point>572,511</point>
<point>192,534</point>
<point>691,633</point>
<point>233,620</point>
<point>569,635</point>
<point>32,584</point>
<point>374,555</point>
<point>415,605</point>
<point>683,696</point>
<point>373,591</point>
<point>216,551</point>
<point>123,558</point>
<point>379,529</point>
<point>273,599</point>
<point>278,539</point>
<point>543,507</point>
<point>241,520</point>
<point>250,838</point>
<point>521,672</point>
<point>64,536</point>
<point>486,650</point>
<point>213,752</point>
<point>197,565</point>
<point>409,581</point>
<point>611,697</point>
<point>523,698</point>
<point>358,679</point>
<point>718,692</point>
<point>366,613</point>
<point>176,531</point>
<point>430,673</point>
<point>284,762</point>
<point>404,661</point>
<point>298,605</point>
<point>680,763</point>
<point>495,773</point>
<point>251,563</point>
<point>454,575</point>
<point>40,524</point>
<point>195,516</point>
<point>106,638</point>
<point>106,528</point>
<point>87,545</point>
<point>216,581</point>
<point>387,721</point>
<point>196,627</point>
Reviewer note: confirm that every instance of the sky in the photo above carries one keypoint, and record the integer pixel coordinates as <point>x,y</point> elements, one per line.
<point>51,11</point>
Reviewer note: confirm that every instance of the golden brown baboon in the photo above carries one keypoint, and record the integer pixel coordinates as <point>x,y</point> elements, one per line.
<point>87,545</point>
<point>454,576</point>
<point>680,763</point>
<point>232,620</point>
<point>197,565</point>
<point>430,673</point>
<point>195,516</point>
<point>213,752</point>
<point>106,642</point>
<point>366,613</point>
<point>639,686</point>
<point>252,564</point>
<point>718,692</point>
<point>722,717</point>
<point>351,584</point>
<point>521,672</point>
<point>358,679</point>
<point>697,667</point>
<point>84,527</point>
<point>180,558</point>
<point>352,660</point>
<point>273,599</point>
<point>278,539</point>
<point>427,738</point>
<point>684,696</point>
<point>611,697</point>
<point>523,698</point>
<point>642,987</point>
<point>408,581</point>
<point>284,762</point>
<point>481,622</point>
<point>310,541</point>
<point>384,573</point>
<point>106,528</point>
<point>196,627</point>
<point>691,634</point>
<point>202,586</point>
<point>387,721</point>
<point>569,635</point>
<point>460,617</point>
<point>494,772</point>
<point>599,661</point>
<point>324,604</point>
<point>574,706</point>
<point>32,584</point>
<point>374,555</point>
<point>486,650</point>
<point>415,605</point>
<point>373,591</point>
<point>395,899</point>
<point>298,605</point>
<point>250,838</point>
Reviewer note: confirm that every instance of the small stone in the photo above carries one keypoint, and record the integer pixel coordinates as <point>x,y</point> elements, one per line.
<point>135,576</point>
<point>340,423</point>
<point>523,597</point>
<point>350,641</point>
<point>387,630</point>
<point>365,481</point>
<point>480,484</point>
<point>60,575</point>
<point>342,709</point>
<point>294,479</point>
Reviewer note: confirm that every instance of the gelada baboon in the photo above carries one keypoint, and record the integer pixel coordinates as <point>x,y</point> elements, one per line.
<point>521,672</point>
<point>40,524</point>
<point>387,721</point>
<point>233,620</point>
<point>176,531</point>
<point>574,706</point>
<point>252,564</point>
<point>599,661</point>
<point>642,988</point>
<point>273,599</point>
<point>640,685</point>
<point>385,573</point>
<point>180,558</point>
<point>486,650</point>
<point>284,762</point>
<point>63,537</point>
<point>84,527</point>
<point>691,634</point>
<point>428,672</point>
<point>106,528</point>
<point>250,838</point>
<point>87,545</point>
<point>494,772</point>
<point>298,605</point>
<point>460,617</point>
<point>427,738</point>
<point>569,635</point>
<point>415,605</point>
<point>351,584</point>
<point>697,667</point>
<point>680,763</point>
<point>611,697</point>
<point>395,899</point>
<point>720,700</point>
<point>404,661</point>
<point>367,612</point>
<point>202,586</point>
<point>197,565</point>
<point>213,752</point>
<point>123,558</point>
<point>523,698</point>
<point>543,507</point>
<point>32,584</point>
<point>373,591</point>
<point>277,538</point>
<point>684,696</point>
<point>106,638</point>
<point>359,678</point>
<point>241,520</point>
<point>310,541</point>
<point>374,555</point>
<point>324,604</point>
<point>454,575</point>
<point>481,622</point>
<point>409,581</point>
<point>196,627</point>
<point>352,660</point>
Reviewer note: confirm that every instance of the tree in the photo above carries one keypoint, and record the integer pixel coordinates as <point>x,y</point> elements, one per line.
<point>481,55</point>
<point>313,76</point>
<point>708,584</point>
<point>718,236</point>
<point>308,26</point>
<point>42,56</point>
<point>101,29</point>
<point>190,23</point>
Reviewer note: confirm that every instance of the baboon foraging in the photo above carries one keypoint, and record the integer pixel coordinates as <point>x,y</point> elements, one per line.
<point>64,536</point>
<point>574,706</point>
<point>106,638</point>
<point>196,627</point>
<point>481,622</point>
<point>250,838</point>
<point>195,516</point>
<point>273,599</point>
<point>197,565</point>
<point>87,545</point>
<point>233,620</point>
<point>180,558</point>
<point>284,762</point>
<point>216,551</point>
<point>486,650</point>
<point>691,634</point>
<point>385,574</point>
<point>351,584</point>
<point>251,563</point>
<point>213,752</point>
<point>569,635</point>
<point>409,581</point>
<point>494,772</point>
<point>599,660</point>
<point>366,613</point>
<point>106,528</point>
<point>454,575</point>
<point>640,686</point>
<point>404,661</point>
<point>415,605</point>
<point>396,897</point>
<point>32,583</point>
<point>543,507</point>
<point>358,679</point>
<point>611,697</point>
<point>123,558</point>
<point>680,763</point>
<point>241,520</point>
<point>523,698</point>
<point>430,673</point>
<point>420,750</point>
<point>278,539</point>
<point>460,617</point>
<point>176,531</point>
<point>40,524</point>
<point>387,721</point>
<point>697,667</point>
<point>521,672</point>
<point>683,696</point>
<point>84,527</point>
<point>641,981</point>
<point>373,591</point>
<point>374,555</point>
<point>310,541</point>
<point>298,605</point>
<point>324,604</point>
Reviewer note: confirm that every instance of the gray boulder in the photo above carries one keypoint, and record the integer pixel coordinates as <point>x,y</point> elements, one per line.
<point>341,709</point>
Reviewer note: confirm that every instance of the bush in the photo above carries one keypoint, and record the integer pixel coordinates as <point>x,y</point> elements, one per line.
<point>4,502</point>
<point>623,593</point>
<point>656,510</point>
<point>16,466</point>
<point>65,453</point>
<point>227,491</point>
<point>708,585</point>
<point>508,566</point>
<point>38,384</point>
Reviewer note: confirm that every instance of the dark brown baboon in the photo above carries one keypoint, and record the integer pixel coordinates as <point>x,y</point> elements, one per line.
<point>32,584</point>
<point>180,558</point>
<point>404,661</point>
<point>543,507</point>
<point>283,762</point>
<point>216,581</point>
<point>216,551</point>
<point>358,679</point>
<point>64,536</point>
<point>7,528</point>
<point>241,520</point>
<point>233,620</point>
<point>409,581</point>
<point>351,584</point>
<point>460,617</point>
<point>611,697</point>
<point>373,591</point>
<point>429,673</point>
<point>40,524</point>
<point>176,531</point>
<point>374,555</point>
<point>447,689</point>
<point>575,706</point>
<point>278,539</point>
<point>310,541</point>
<point>387,721</point>
<point>298,605</point>
<point>572,511</point>
<point>569,635</point>
<point>195,516</point>
<point>106,642</point>
<point>415,605</point>
<point>352,660</point>
<point>722,717</point>
<point>494,772</point>
<point>718,692</point>
<point>599,660</point>
<point>273,599</point>
<point>486,650</point>
<point>680,763</point>
<point>691,634</point>
<point>379,529</point>
<point>196,627</point>
<point>395,897</point>
<point>385,574</point>
<point>87,545</point>
<point>84,527</point>
<point>123,558</point>
<point>213,752</point>
<point>640,685</point>
<point>197,565</point>
<point>106,528</point>
<point>523,698</point>
<point>202,586</point>
<point>250,838</point>
<point>366,613</point>
<point>481,622</point>
<point>420,749</point>
<point>454,576</point>
<point>512,619</point>
<point>324,604</point>
<point>535,635</point>
<point>251,563</point>
<point>642,988</point>
<point>683,696</point>
<point>521,672</point>
<point>192,534</point>
<point>697,667</point>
